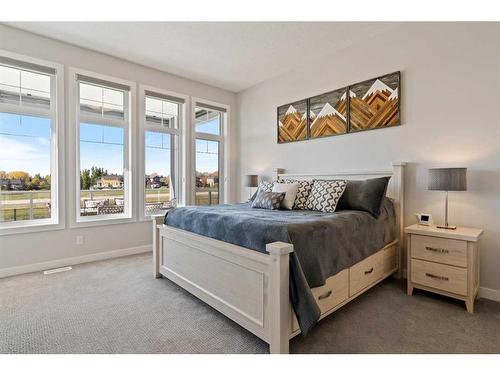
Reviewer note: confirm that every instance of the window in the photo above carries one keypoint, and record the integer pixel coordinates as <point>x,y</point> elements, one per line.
<point>29,140</point>
<point>103,128</point>
<point>161,129</point>
<point>208,124</point>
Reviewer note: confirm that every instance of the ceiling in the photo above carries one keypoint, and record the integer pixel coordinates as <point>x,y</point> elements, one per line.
<point>229,55</point>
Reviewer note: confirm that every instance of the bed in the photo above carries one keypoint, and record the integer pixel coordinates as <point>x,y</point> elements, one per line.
<point>259,284</point>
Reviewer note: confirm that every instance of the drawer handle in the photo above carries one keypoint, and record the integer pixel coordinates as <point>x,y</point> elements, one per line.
<point>325,295</point>
<point>369,271</point>
<point>444,278</point>
<point>437,250</point>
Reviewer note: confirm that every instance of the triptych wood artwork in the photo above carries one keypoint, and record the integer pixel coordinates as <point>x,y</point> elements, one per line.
<point>367,105</point>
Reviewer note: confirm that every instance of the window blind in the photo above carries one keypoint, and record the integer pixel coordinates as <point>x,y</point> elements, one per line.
<point>170,98</point>
<point>212,107</point>
<point>26,66</point>
<point>102,82</point>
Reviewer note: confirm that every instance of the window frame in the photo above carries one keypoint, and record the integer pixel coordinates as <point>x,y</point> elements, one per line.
<point>179,132</point>
<point>57,147</point>
<point>129,149</point>
<point>222,138</point>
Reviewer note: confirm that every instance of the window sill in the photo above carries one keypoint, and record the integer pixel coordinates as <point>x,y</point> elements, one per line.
<point>151,217</point>
<point>41,226</point>
<point>92,221</point>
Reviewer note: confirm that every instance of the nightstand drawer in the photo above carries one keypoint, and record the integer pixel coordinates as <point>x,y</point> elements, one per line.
<point>441,250</point>
<point>439,276</point>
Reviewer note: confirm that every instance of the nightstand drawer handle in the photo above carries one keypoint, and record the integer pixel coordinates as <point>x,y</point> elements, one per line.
<point>326,295</point>
<point>437,250</point>
<point>444,278</point>
<point>369,271</point>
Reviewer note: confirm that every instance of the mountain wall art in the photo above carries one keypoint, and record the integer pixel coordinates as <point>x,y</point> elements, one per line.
<point>292,122</point>
<point>371,104</point>
<point>374,103</point>
<point>328,114</point>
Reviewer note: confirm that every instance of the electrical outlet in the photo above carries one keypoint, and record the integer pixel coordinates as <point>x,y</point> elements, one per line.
<point>79,240</point>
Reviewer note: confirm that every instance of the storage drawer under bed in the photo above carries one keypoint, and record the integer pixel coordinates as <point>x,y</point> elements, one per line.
<point>339,287</point>
<point>334,292</point>
<point>372,269</point>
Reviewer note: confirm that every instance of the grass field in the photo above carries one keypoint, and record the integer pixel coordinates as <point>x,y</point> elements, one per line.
<point>10,210</point>
<point>24,195</point>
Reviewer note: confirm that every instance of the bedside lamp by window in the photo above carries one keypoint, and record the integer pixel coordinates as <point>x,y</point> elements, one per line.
<point>447,179</point>
<point>251,181</point>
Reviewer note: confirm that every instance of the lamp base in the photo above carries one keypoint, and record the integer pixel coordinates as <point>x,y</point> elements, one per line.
<point>451,227</point>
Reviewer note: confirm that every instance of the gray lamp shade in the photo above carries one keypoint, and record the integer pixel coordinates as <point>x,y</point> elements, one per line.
<point>251,180</point>
<point>448,179</point>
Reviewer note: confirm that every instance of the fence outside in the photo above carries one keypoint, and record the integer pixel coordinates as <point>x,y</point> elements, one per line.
<point>206,196</point>
<point>24,205</point>
<point>36,204</point>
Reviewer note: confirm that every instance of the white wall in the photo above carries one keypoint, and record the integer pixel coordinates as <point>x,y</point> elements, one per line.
<point>450,109</point>
<point>20,250</point>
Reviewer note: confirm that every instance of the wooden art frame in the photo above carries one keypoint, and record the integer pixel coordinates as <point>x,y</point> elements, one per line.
<point>293,121</point>
<point>370,104</point>
<point>379,99</point>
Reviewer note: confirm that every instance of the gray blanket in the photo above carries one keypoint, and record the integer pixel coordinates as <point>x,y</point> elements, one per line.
<point>324,243</point>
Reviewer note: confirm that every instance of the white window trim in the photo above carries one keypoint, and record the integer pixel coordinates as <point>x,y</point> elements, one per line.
<point>58,218</point>
<point>129,216</point>
<point>224,152</point>
<point>180,132</point>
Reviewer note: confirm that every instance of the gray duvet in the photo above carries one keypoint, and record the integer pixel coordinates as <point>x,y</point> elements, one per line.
<point>324,243</point>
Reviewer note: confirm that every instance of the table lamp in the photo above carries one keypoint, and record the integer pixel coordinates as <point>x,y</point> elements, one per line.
<point>251,181</point>
<point>447,179</point>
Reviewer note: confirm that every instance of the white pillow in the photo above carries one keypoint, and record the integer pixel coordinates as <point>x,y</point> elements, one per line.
<point>290,191</point>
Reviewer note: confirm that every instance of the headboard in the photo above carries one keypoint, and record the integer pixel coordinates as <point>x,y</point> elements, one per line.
<point>395,191</point>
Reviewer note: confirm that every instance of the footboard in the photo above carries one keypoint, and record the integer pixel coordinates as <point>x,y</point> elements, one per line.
<point>249,287</point>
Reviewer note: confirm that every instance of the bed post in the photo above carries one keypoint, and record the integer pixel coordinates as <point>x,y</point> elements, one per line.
<point>157,221</point>
<point>398,196</point>
<point>277,172</point>
<point>279,296</point>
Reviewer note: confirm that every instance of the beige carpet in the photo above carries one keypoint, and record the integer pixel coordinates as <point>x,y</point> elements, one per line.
<point>116,306</point>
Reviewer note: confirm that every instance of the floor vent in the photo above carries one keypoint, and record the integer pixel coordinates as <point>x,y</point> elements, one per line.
<point>56,270</point>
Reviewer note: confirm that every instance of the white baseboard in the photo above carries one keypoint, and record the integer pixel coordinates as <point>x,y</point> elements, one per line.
<point>487,293</point>
<point>35,267</point>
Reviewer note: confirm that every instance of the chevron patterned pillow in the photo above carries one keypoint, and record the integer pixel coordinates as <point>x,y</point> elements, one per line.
<point>268,200</point>
<point>302,193</point>
<point>325,195</point>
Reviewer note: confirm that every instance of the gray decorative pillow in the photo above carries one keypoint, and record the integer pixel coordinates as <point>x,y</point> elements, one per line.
<point>325,195</point>
<point>364,195</point>
<point>302,193</point>
<point>268,200</point>
<point>266,186</point>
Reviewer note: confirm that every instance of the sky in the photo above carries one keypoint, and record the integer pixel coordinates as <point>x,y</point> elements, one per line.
<point>25,146</point>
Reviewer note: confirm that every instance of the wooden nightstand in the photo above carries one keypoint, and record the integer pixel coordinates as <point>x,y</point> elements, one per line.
<point>444,261</point>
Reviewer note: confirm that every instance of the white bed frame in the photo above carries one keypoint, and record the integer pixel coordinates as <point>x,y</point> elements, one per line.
<point>247,286</point>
